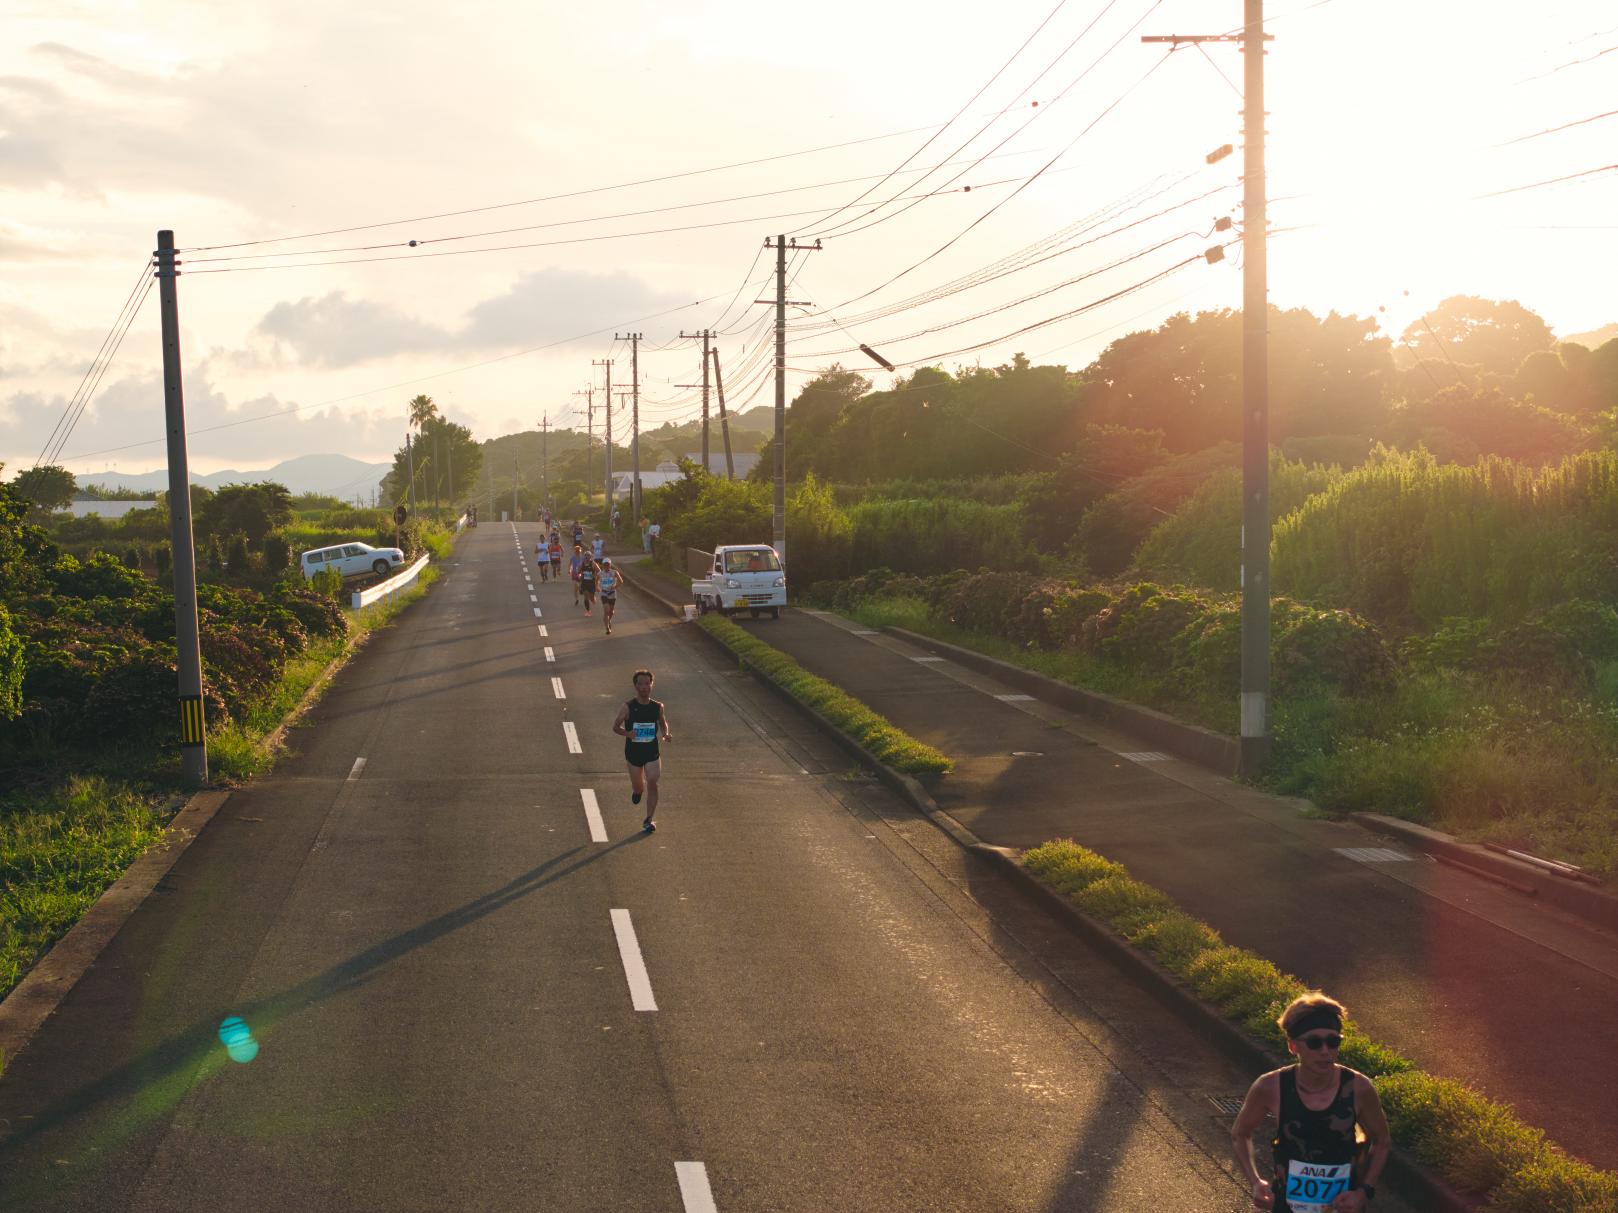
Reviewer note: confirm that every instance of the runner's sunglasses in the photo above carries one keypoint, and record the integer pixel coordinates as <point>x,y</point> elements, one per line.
<point>1320,1042</point>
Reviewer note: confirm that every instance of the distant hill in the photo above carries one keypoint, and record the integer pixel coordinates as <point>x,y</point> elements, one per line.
<point>1591,340</point>
<point>337,475</point>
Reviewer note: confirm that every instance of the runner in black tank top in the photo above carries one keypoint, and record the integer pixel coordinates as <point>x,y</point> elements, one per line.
<point>1317,1104</point>
<point>642,722</point>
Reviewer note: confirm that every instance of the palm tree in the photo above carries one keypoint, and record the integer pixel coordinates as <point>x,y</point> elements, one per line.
<point>422,410</point>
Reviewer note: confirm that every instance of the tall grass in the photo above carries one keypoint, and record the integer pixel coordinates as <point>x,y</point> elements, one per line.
<point>937,534</point>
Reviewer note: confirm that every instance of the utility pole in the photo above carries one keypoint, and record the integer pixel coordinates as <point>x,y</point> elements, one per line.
<point>724,422</point>
<point>779,524</point>
<point>545,459</point>
<point>1255,689</point>
<point>437,477</point>
<point>488,482</point>
<point>187,639</point>
<point>706,335</point>
<point>410,463</point>
<point>634,433</point>
<point>608,486</point>
<point>516,475</point>
<point>589,394</point>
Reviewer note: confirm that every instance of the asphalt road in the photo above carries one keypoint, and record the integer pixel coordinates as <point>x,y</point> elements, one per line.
<point>794,996</point>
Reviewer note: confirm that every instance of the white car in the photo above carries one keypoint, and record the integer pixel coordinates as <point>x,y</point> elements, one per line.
<point>351,560</point>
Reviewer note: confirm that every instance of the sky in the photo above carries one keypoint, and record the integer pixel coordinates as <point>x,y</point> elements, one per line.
<point>296,149</point>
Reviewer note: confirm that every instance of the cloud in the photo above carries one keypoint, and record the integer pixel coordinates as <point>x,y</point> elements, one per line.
<point>546,306</point>
<point>335,330</point>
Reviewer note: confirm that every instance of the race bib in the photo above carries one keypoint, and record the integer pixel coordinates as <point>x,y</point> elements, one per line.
<point>1312,1186</point>
<point>645,733</point>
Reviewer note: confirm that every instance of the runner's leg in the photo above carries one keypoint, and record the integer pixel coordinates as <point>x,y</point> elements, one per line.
<point>637,782</point>
<point>654,772</point>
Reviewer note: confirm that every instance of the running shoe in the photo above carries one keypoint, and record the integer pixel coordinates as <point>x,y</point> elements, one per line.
<point>648,826</point>
<point>634,798</point>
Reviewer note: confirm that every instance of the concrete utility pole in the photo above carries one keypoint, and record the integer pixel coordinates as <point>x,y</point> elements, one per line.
<point>608,485</point>
<point>516,476</point>
<point>1255,690</point>
<point>706,335</point>
<point>410,464</point>
<point>634,433</point>
<point>438,477</point>
<point>589,395</point>
<point>779,525</point>
<point>187,639</point>
<point>545,459</point>
<point>724,422</point>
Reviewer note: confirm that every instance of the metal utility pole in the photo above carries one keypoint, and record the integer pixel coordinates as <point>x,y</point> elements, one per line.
<point>706,335</point>
<point>187,639</point>
<point>410,464</point>
<point>607,489</point>
<point>724,422</point>
<point>634,433</point>
<point>1255,689</point>
<point>779,525</point>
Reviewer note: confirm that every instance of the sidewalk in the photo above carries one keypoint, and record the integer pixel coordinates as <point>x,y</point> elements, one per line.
<point>1462,976</point>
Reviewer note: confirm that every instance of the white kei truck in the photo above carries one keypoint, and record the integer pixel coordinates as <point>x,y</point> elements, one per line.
<point>741,577</point>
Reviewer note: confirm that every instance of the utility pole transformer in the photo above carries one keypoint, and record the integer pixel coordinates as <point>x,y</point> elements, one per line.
<point>1255,689</point>
<point>779,522</point>
<point>187,639</point>
<point>634,433</point>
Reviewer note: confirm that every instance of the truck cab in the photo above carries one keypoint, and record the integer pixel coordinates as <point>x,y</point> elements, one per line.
<point>742,577</point>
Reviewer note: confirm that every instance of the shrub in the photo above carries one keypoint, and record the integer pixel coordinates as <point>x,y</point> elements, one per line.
<point>1335,648</point>
<point>277,554</point>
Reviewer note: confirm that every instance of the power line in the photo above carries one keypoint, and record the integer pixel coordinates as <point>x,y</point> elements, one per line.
<point>1565,66</point>
<point>1553,129</point>
<point>1026,42</point>
<point>1517,189</point>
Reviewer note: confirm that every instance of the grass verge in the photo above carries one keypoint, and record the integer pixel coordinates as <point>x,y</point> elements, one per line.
<point>889,744</point>
<point>1476,1144</point>
<point>61,847</point>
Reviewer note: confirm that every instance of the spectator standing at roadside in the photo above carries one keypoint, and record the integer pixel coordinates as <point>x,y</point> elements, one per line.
<point>1320,1164</point>
<point>645,533</point>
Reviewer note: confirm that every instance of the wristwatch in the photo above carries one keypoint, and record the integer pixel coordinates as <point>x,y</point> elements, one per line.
<point>1370,1192</point>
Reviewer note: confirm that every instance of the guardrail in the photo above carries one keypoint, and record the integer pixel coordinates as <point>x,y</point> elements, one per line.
<point>388,588</point>
<point>460,523</point>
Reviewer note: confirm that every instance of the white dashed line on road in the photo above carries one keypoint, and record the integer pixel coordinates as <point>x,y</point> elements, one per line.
<point>640,985</point>
<point>538,614</point>
<point>592,814</point>
<point>533,598</point>
<point>543,631</point>
<point>572,734</point>
<point>694,1191</point>
<point>1373,855</point>
<point>556,686</point>
<point>359,765</point>
<point>550,653</point>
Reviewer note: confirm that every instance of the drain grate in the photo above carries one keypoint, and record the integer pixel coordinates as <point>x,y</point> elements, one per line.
<point>1146,756</point>
<point>1028,753</point>
<point>1373,855</point>
<point>1227,1105</point>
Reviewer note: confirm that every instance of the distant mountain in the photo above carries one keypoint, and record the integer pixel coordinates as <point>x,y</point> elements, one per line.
<point>338,475</point>
<point>1593,339</point>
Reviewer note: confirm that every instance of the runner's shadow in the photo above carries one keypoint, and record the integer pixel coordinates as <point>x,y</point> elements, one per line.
<point>151,1076</point>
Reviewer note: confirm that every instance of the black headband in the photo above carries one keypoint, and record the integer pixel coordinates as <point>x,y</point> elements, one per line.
<point>1316,1017</point>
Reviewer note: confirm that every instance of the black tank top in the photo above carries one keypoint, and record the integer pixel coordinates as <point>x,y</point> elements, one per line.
<point>587,575</point>
<point>1304,1135</point>
<point>641,720</point>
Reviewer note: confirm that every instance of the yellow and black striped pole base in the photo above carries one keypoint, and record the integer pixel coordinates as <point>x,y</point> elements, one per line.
<point>191,722</point>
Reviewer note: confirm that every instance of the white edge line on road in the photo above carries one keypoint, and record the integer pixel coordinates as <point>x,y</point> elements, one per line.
<point>556,687</point>
<point>694,1191</point>
<point>640,985</point>
<point>359,765</point>
<point>572,734</point>
<point>550,653</point>
<point>592,814</point>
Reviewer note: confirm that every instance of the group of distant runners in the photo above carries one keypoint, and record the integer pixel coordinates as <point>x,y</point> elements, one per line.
<point>642,721</point>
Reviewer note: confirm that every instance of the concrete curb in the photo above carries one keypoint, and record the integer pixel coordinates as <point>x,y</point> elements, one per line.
<point>1411,1175</point>
<point>34,998</point>
<point>1586,901</point>
<point>1193,743</point>
<point>674,608</point>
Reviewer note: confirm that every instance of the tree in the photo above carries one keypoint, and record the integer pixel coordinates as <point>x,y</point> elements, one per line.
<point>1460,424</point>
<point>1494,336</point>
<point>422,410</point>
<point>252,509</point>
<point>48,486</point>
<point>460,462</point>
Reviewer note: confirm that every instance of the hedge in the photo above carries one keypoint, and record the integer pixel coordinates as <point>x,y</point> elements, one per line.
<point>1475,1143</point>
<point>889,744</point>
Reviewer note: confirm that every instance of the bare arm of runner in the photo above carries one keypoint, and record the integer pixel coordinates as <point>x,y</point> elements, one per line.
<point>1261,1101</point>
<point>663,719</point>
<point>1368,1109</point>
<point>618,725</point>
